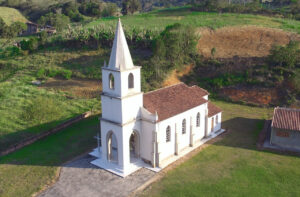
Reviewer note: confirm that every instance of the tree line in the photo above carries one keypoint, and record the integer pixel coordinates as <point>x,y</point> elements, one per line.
<point>285,8</point>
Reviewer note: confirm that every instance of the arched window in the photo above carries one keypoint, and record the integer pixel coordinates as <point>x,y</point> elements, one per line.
<point>130,81</point>
<point>168,134</point>
<point>198,120</point>
<point>183,126</point>
<point>111,81</point>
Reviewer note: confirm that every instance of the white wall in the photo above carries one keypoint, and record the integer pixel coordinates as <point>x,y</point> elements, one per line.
<point>117,81</point>
<point>126,106</point>
<point>131,107</point>
<point>111,108</point>
<point>217,125</point>
<point>121,81</point>
<point>137,81</point>
<point>168,148</point>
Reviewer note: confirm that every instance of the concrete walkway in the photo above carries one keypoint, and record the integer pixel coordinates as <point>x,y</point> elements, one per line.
<point>82,179</point>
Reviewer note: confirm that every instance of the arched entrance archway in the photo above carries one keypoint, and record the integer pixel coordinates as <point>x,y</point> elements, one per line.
<point>134,146</point>
<point>112,147</point>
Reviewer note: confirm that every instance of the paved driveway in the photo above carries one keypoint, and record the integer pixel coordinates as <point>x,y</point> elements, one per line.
<point>82,179</point>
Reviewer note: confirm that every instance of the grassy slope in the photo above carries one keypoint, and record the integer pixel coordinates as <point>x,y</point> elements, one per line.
<point>10,15</point>
<point>158,20</point>
<point>17,92</point>
<point>233,166</point>
<point>28,170</point>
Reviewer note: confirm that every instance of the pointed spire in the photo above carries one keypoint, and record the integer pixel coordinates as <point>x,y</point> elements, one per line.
<point>120,57</point>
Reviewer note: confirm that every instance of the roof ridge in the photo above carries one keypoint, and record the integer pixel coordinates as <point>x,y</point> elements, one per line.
<point>165,87</point>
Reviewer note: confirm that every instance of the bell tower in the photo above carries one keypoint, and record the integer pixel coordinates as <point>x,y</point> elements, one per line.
<point>121,101</point>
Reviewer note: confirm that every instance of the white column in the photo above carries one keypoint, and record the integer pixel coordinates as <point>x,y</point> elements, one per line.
<point>191,132</point>
<point>176,140</point>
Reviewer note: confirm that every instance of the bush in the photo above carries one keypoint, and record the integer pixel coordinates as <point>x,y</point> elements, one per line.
<point>10,52</point>
<point>52,72</point>
<point>41,73</point>
<point>29,45</point>
<point>284,56</point>
<point>67,74</point>
<point>59,21</point>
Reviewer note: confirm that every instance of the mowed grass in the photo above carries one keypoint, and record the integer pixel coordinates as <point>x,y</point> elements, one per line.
<point>159,19</point>
<point>10,15</point>
<point>30,169</point>
<point>17,92</point>
<point>233,166</point>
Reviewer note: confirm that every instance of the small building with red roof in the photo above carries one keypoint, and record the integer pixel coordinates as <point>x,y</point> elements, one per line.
<point>285,128</point>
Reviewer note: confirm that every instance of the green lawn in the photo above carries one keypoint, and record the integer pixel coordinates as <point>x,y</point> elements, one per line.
<point>48,107</point>
<point>159,19</point>
<point>28,170</point>
<point>230,167</point>
<point>233,166</point>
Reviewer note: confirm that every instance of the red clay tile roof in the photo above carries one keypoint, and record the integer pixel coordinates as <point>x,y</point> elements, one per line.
<point>173,100</point>
<point>212,109</point>
<point>286,118</point>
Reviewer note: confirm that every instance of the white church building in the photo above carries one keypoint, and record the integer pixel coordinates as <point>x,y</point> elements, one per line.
<point>151,129</point>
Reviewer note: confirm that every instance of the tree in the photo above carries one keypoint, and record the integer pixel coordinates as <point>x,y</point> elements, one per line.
<point>110,10</point>
<point>2,26</point>
<point>59,21</point>
<point>284,56</point>
<point>11,31</point>
<point>71,9</point>
<point>130,6</point>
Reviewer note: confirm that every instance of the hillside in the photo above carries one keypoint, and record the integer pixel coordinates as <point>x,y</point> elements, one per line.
<point>10,15</point>
<point>76,55</point>
<point>246,41</point>
<point>157,20</point>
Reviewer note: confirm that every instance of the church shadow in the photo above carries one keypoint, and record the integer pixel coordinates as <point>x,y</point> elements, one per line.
<point>241,133</point>
<point>58,149</point>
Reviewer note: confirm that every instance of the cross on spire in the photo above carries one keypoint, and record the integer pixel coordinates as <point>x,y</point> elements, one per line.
<point>120,58</point>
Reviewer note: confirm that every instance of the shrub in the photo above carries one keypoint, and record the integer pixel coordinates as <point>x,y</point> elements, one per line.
<point>67,74</point>
<point>52,72</point>
<point>41,73</point>
<point>284,56</point>
<point>29,45</point>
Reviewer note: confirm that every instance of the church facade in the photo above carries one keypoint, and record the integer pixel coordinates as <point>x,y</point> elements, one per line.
<point>148,129</point>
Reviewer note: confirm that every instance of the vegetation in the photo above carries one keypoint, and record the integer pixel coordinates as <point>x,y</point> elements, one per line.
<point>12,30</point>
<point>24,106</point>
<point>130,6</point>
<point>173,48</point>
<point>233,165</point>
<point>288,9</point>
<point>59,21</point>
<point>28,170</point>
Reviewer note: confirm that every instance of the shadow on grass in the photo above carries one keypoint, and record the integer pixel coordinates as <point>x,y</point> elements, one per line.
<point>10,139</point>
<point>57,148</point>
<point>244,133</point>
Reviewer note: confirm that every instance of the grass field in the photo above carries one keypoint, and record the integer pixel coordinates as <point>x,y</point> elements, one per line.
<point>233,166</point>
<point>27,109</point>
<point>230,167</point>
<point>159,19</point>
<point>28,170</point>
<point>10,15</point>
